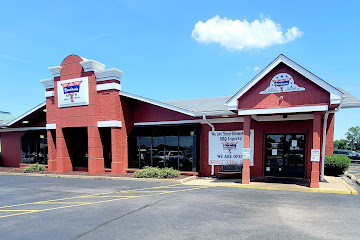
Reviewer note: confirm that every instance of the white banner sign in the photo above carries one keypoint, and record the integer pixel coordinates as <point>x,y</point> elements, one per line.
<point>226,147</point>
<point>315,155</point>
<point>73,92</point>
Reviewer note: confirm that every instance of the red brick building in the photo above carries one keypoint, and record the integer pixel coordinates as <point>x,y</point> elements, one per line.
<point>281,123</point>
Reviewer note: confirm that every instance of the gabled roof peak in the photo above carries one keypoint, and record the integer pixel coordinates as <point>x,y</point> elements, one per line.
<point>336,96</point>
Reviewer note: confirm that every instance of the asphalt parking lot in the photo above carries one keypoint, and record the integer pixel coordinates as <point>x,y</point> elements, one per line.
<point>61,208</point>
<point>354,169</point>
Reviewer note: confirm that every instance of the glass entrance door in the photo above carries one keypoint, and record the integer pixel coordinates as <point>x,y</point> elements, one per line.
<point>285,155</point>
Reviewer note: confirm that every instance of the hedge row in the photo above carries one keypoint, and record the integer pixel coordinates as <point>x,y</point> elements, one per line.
<point>335,165</point>
<point>154,172</point>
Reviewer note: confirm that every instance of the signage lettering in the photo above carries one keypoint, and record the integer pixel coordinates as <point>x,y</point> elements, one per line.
<point>282,82</point>
<point>73,92</point>
<point>227,147</point>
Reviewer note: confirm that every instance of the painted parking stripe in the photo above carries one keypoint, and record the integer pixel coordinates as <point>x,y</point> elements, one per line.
<point>94,196</point>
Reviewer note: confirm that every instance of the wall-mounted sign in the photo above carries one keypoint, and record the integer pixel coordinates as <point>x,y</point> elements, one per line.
<point>226,147</point>
<point>315,155</point>
<point>73,92</point>
<point>282,82</point>
<point>246,153</point>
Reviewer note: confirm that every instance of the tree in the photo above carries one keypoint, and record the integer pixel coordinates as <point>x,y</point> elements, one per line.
<point>353,138</point>
<point>340,144</point>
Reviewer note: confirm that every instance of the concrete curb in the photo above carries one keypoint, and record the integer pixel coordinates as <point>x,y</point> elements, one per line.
<point>353,191</point>
<point>352,177</point>
<point>171,181</point>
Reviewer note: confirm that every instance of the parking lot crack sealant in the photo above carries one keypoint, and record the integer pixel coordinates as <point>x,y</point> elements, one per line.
<point>116,218</point>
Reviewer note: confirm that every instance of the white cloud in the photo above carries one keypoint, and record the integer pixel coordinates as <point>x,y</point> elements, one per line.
<point>256,68</point>
<point>239,73</point>
<point>239,35</point>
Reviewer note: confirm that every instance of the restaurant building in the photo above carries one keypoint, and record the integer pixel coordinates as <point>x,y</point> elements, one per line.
<point>281,123</point>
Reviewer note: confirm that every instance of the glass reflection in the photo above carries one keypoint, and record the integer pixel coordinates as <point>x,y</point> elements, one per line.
<point>34,147</point>
<point>186,149</point>
<point>145,151</point>
<point>162,146</point>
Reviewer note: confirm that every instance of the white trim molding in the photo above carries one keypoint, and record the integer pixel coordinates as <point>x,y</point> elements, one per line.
<point>56,71</point>
<point>49,93</point>
<point>201,121</point>
<point>316,108</point>
<point>22,129</point>
<point>48,83</point>
<point>108,86</point>
<point>277,118</point>
<point>350,105</point>
<point>112,123</point>
<point>108,74</point>
<point>50,126</point>
<point>91,65</point>
<point>335,94</point>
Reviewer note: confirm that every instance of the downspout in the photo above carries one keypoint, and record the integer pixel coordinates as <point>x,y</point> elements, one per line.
<point>324,142</point>
<point>324,137</point>
<point>212,129</point>
<point>323,146</point>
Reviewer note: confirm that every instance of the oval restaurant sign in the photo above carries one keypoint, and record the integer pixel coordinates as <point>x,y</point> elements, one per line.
<point>226,147</point>
<point>282,82</point>
<point>73,92</point>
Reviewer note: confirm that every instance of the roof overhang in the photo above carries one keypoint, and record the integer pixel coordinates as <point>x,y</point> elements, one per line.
<point>26,114</point>
<point>350,105</point>
<point>174,108</point>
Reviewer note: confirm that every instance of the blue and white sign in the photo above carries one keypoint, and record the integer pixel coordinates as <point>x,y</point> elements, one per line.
<point>73,92</point>
<point>226,147</point>
<point>282,82</point>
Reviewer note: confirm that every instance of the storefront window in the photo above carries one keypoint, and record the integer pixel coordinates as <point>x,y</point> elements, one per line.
<point>34,147</point>
<point>163,146</point>
<point>144,151</point>
<point>186,149</point>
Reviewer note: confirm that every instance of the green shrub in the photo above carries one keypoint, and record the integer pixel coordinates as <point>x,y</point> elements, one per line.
<point>154,172</point>
<point>168,173</point>
<point>34,168</point>
<point>147,172</point>
<point>335,165</point>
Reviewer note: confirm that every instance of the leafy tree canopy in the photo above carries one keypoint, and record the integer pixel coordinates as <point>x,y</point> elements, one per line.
<point>352,141</point>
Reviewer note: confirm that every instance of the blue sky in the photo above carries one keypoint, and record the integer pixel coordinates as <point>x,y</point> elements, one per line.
<point>152,42</point>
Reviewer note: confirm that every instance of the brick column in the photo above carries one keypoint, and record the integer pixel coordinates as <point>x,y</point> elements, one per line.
<point>63,162</point>
<point>96,157</point>
<point>314,178</point>
<point>246,162</point>
<point>119,150</point>
<point>51,152</point>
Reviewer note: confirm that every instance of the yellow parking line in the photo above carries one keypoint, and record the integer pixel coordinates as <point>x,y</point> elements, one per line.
<point>71,204</point>
<point>111,196</point>
<point>47,202</point>
<point>60,199</point>
<point>130,191</point>
<point>17,210</point>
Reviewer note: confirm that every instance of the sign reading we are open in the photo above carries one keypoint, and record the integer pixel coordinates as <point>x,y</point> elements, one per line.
<point>226,147</point>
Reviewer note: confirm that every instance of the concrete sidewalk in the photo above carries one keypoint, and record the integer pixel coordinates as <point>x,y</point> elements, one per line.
<point>331,185</point>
